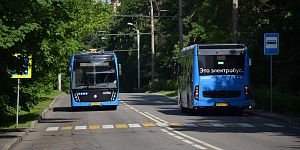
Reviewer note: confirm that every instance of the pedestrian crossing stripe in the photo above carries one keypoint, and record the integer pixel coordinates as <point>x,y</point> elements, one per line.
<point>204,125</point>
<point>273,125</point>
<point>188,125</point>
<point>94,127</point>
<point>149,124</point>
<point>121,126</point>
<point>108,126</point>
<point>231,125</point>
<point>246,125</point>
<point>176,124</point>
<point>66,128</point>
<point>80,127</point>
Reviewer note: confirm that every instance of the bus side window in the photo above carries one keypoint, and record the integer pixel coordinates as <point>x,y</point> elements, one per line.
<point>178,70</point>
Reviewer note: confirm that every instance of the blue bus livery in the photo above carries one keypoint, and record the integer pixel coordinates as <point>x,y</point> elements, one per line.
<point>94,79</point>
<point>213,76</point>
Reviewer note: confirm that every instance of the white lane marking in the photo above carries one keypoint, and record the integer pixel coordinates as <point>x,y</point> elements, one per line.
<point>199,141</point>
<point>156,117</point>
<point>146,115</point>
<point>149,117</point>
<point>187,141</point>
<point>134,125</point>
<point>110,126</point>
<point>273,125</point>
<point>171,129</point>
<point>80,127</point>
<point>52,129</point>
<point>172,134</point>
<point>162,124</point>
<point>217,125</point>
<point>164,130</point>
<point>190,125</point>
<point>245,125</point>
<point>179,137</point>
<point>198,146</point>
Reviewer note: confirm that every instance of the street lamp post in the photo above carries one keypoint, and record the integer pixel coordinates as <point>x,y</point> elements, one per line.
<point>138,49</point>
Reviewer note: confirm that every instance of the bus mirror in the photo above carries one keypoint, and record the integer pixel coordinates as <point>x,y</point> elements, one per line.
<point>120,69</point>
<point>69,70</point>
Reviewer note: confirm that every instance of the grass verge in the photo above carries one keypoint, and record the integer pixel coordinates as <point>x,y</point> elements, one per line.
<point>26,118</point>
<point>173,94</point>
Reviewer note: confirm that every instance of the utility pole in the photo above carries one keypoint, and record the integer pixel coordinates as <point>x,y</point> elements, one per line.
<point>152,50</point>
<point>235,21</point>
<point>138,49</point>
<point>180,27</point>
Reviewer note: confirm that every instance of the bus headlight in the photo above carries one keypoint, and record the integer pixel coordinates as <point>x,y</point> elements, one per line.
<point>76,97</point>
<point>113,96</point>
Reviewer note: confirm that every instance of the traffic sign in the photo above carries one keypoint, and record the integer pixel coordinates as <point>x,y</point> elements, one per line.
<point>271,44</point>
<point>27,73</point>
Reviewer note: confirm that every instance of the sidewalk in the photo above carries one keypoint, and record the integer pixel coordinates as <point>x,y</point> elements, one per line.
<point>274,116</point>
<point>10,138</point>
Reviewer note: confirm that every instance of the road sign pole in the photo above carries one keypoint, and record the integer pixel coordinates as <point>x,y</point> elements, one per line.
<point>271,85</point>
<point>271,47</point>
<point>18,99</point>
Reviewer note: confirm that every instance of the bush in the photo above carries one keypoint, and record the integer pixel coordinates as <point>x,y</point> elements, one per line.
<point>162,85</point>
<point>283,102</point>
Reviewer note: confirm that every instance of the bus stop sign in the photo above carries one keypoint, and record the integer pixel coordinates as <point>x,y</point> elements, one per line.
<point>271,43</point>
<point>28,70</point>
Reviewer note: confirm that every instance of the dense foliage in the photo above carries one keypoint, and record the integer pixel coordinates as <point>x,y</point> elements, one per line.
<point>210,21</point>
<point>51,30</point>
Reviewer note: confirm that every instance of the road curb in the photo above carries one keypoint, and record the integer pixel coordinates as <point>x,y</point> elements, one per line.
<point>15,141</point>
<point>40,117</point>
<point>21,133</point>
<point>271,116</point>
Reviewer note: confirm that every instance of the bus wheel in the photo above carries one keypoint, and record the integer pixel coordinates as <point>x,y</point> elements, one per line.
<point>191,111</point>
<point>239,112</point>
<point>184,110</point>
<point>114,107</point>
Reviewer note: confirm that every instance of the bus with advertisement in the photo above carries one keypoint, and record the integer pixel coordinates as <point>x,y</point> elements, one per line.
<point>94,79</point>
<point>213,76</point>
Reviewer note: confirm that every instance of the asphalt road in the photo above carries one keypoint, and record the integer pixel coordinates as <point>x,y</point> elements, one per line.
<point>150,121</point>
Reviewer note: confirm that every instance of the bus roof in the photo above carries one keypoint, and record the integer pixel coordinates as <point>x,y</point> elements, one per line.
<point>108,56</point>
<point>215,46</point>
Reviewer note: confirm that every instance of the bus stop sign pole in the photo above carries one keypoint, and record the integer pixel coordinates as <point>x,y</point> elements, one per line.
<point>26,74</point>
<point>18,102</point>
<point>271,47</point>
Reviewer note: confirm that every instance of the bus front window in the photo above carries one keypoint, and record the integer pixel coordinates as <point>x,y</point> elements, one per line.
<point>94,75</point>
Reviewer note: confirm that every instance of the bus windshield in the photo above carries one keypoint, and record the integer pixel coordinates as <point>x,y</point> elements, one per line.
<point>94,75</point>
<point>221,64</point>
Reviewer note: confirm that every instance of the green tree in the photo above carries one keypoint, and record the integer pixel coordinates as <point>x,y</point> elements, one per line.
<point>50,31</point>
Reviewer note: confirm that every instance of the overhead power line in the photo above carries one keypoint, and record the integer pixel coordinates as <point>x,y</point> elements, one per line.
<point>118,34</point>
<point>140,16</point>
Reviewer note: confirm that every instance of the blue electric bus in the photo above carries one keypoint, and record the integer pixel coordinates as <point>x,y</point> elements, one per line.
<point>213,76</point>
<point>94,79</point>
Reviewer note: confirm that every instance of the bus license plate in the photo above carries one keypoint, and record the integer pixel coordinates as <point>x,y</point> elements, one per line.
<point>221,104</point>
<point>95,104</point>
